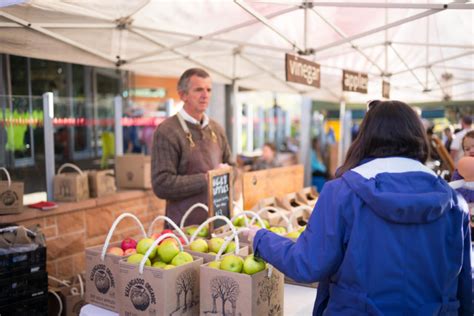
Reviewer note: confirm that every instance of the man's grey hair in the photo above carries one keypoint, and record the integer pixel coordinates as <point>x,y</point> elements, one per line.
<point>183,82</point>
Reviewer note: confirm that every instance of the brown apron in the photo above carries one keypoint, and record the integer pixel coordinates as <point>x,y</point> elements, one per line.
<point>206,155</point>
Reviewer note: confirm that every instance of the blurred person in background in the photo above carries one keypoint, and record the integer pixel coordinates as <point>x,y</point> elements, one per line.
<point>456,147</point>
<point>268,159</point>
<point>448,138</point>
<point>468,149</point>
<point>387,236</point>
<point>318,168</point>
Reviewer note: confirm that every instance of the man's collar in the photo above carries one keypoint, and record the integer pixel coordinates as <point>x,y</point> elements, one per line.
<point>192,120</point>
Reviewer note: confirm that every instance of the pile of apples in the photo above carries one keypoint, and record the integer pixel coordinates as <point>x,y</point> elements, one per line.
<point>166,255</point>
<point>240,222</point>
<point>127,247</point>
<point>232,263</point>
<point>204,232</point>
<point>211,246</point>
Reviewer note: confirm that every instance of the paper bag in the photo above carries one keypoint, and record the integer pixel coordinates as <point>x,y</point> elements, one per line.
<point>102,271</point>
<point>11,195</point>
<point>101,182</point>
<point>152,291</point>
<point>133,171</point>
<point>70,187</point>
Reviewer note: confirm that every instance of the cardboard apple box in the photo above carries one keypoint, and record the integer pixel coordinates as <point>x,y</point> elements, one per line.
<point>153,291</point>
<point>71,186</point>
<point>300,216</point>
<point>290,201</point>
<point>230,293</point>
<point>133,171</point>
<point>102,271</point>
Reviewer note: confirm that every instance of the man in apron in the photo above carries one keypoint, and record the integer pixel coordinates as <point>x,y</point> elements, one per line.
<point>185,147</point>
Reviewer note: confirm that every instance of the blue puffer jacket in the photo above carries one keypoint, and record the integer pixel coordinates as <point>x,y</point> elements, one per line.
<point>387,238</point>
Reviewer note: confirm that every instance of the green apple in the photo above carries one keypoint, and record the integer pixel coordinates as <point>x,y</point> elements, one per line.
<point>204,232</point>
<point>215,265</point>
<point>253,265</point>
<point>294,234</point>
<point>181,258</point>
<point>239,221</point>
<point>190,230</point>
<point>232,263</point>
<point>275,230</point>
<point>230,247</point>
<point>265,222</point>
<point>282,230</point>
<point>302,228</point>
<point>143,246</point>
<point>168,266</point>
<point>158,264</point>
<point>167,250</point>
<point>136,258</point>
<point>199,245</point>
<point>215,244</point>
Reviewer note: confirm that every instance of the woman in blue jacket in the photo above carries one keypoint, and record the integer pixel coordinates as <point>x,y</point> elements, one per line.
<point>387,236</point>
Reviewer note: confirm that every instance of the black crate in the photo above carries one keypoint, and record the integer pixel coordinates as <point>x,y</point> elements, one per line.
<point>25,286</point>
<point>37,306</point>
<point>23,262</point>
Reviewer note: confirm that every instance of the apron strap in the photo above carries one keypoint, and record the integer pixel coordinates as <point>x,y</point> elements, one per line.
<point>185,128</point>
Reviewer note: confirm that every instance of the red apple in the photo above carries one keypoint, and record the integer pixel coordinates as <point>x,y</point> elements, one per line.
<point>167,231</point>
<point>128,243</point>
<point>155,236</point>
<point>115,251</point>
<point>129,251</point>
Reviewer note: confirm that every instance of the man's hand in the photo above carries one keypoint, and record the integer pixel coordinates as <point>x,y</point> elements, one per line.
<point>223,165</point>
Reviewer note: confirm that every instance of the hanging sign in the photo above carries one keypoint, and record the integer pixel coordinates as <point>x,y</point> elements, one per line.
<point>302,71</point>
<point>354,81</point>
<point>386,89</point>
<point>220,194</point>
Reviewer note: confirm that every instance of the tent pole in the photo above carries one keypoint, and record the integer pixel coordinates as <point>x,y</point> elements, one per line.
<point>344,36</point>
<point>436,62</point>
<point>269,72</point>
<point>452,5</point>
<point>378,29</point>
<point>265,22</point>
<point>48,133</point>
<point>151,39</point>
<point>57,36</point>
<point>408,67</point>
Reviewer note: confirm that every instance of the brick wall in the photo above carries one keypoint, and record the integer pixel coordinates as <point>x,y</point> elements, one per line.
<point>69,233</point>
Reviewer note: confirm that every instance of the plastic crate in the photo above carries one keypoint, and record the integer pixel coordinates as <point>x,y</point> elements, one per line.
<point>37,306</point>
<point>23,262</point>
<point>25,286</point>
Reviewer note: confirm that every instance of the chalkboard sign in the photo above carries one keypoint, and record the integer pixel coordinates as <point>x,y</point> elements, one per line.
<point>220,194</point>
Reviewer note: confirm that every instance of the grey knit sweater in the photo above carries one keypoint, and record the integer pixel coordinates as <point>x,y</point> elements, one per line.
<point>171,154</point>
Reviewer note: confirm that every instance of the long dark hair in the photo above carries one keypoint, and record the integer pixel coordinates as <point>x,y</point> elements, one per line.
<point>390,128</point>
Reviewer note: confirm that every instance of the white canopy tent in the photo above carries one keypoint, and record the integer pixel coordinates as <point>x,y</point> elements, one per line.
<point>423,48</point>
